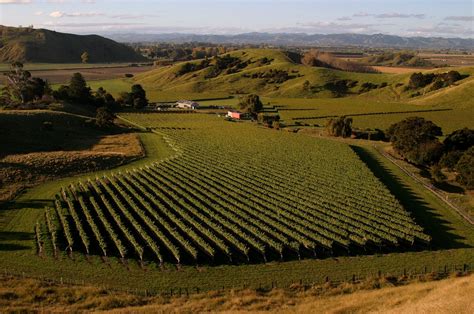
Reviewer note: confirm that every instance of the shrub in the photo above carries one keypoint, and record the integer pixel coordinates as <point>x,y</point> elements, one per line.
<point>465,168</point>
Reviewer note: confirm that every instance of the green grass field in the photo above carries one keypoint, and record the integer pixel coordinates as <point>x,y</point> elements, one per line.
<point>452,237</point>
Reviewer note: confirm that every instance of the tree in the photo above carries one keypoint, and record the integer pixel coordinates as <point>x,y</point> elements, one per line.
<point>416,139</point>
<point>104,99</point>
<point>465,169</point>
<point>78,90</point>
<point>136,98</point>
<point>340,126</point>
<point>138,95</point>
<point>21,88</point>
<point>85,57</point>
<point>251,103</point>
<point>104,117</point>
<point>461,139</point>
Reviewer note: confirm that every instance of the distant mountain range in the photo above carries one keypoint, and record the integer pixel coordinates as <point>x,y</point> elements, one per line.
<point>301,39</point>
<point>41,45</point>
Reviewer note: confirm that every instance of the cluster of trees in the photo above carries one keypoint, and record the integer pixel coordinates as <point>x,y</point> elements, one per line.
<point>339,126</point>
<point>317,58</point>
<point>226,63</point>
<point>272,76</point>
<point>136,98</point>
<point>216,66</point>
<point>416,139</point>
<point>340,87</point>
<point>185,51</point>
<point>189,67</point>
<point>439,80</point>
<point>251,103</point>
<point>22,89</point>
<point>269,120</point>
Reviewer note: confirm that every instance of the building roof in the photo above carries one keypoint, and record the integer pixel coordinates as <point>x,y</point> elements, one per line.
<point>187,102</point>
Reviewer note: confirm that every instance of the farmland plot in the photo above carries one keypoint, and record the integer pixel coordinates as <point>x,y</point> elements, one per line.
<point>233,193</point>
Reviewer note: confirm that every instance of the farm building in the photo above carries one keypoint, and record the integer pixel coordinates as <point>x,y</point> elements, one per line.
<point>237,115</point>
<point>187,104</point>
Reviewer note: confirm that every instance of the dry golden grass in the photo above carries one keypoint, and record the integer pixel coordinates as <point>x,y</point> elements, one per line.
<point>18,171</point>
<point>374,296</point>
<point>398,70</point>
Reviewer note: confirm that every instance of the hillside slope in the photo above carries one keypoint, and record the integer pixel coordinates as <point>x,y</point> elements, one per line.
<point>272,73</point>
<point>41,145</point>
<point>264,71</point>
<point>41,45</point>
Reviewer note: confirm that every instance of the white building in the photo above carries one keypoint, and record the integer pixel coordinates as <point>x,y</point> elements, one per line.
<point>187,104</point>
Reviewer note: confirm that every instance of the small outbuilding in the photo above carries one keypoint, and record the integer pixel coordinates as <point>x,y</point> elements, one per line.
<point>187,104</point>
<point>237,115</point>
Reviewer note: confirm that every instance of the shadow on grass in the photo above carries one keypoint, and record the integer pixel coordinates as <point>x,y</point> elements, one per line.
<point>443,236</point>
<point>13,205</point>
<point>8,239</point>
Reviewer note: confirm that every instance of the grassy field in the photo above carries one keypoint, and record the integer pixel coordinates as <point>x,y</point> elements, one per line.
<point>452,241</point>
<point>384,294</point>
<point>163,84</point>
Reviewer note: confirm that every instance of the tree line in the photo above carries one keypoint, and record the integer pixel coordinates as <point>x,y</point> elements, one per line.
<point>22,91</point>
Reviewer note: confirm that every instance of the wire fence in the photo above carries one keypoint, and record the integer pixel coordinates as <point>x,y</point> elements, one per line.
<point>437,192</point>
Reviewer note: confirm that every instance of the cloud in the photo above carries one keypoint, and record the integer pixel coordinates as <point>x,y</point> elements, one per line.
<point>335,27</point>
<point>131,16</point>
<point>78,25</point>
<point>361,14</point>
<point>60,14</point>
<point>15,1</point>
<point>441,29</point>
<point>467,18</point>
<point>399,16</point>
<point>392,15</point>
<point>39,13</point>
<point>344,18</point>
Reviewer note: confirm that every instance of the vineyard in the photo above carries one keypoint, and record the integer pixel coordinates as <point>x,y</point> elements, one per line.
<point>232,193</point>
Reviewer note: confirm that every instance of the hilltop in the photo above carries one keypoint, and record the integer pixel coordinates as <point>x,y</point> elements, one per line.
<point>275,73</point>
<point>41,45</point>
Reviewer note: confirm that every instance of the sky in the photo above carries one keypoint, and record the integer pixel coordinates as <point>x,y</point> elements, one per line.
<point>444,18</point>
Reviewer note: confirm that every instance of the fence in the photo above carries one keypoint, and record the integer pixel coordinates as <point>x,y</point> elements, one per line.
<point>439,272</point>
<point>437,192</point>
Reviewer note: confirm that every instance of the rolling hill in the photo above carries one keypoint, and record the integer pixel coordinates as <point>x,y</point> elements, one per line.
<point>40,45</point>
<point>272,73</point>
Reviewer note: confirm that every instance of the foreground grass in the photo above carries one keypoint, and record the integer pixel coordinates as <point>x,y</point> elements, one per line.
<point>380,295</point>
